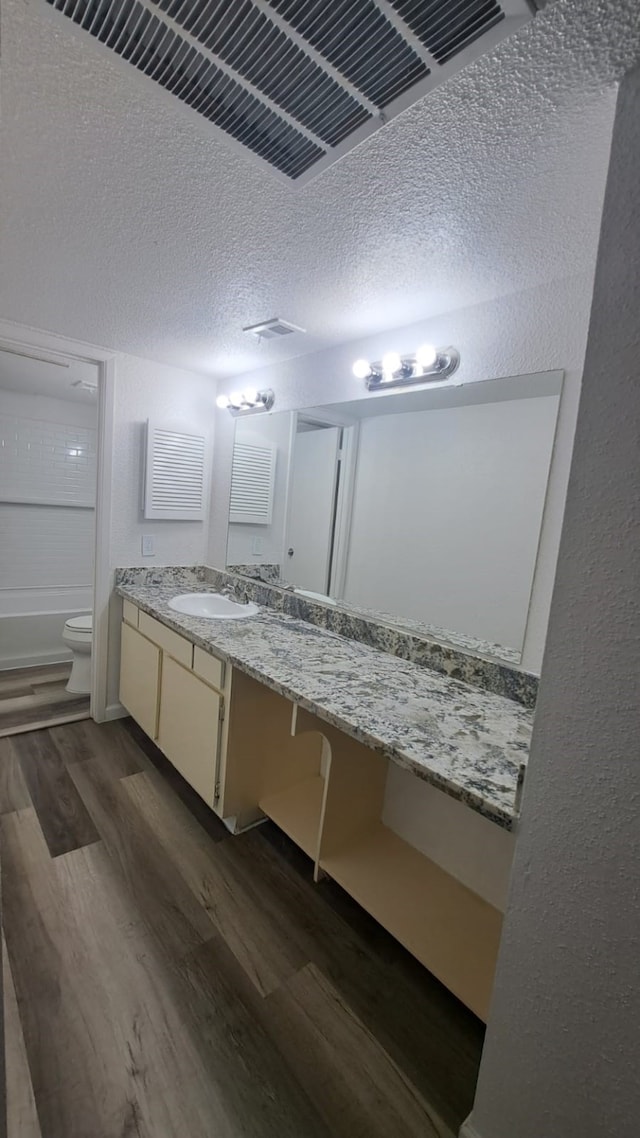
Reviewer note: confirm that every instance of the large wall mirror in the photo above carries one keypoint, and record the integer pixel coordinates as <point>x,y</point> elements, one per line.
<point>423,507</point>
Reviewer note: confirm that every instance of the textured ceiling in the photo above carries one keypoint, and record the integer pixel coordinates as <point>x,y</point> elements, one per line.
<point>125,223</point>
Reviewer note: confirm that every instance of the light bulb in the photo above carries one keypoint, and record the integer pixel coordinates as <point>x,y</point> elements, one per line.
<point>361,369</point>
<point>251,396</point>
<point>426,355</point>
<point>235,399</point>
<point>391,363</point>
<point>222,402</point>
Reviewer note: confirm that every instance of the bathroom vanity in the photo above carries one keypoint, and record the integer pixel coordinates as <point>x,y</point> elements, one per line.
<point>276,717</point>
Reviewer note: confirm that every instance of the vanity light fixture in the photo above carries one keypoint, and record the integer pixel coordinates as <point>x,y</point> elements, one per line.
<point>246,402</point>
<point>393,370</point>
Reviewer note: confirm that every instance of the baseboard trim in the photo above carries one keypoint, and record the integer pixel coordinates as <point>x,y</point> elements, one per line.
<point>468,1130</point>
<point>113,711</point>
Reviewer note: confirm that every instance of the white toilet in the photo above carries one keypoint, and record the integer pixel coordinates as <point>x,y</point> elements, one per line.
<point>78,636</point>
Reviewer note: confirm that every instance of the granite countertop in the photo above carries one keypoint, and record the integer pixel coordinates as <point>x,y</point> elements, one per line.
<point>469,743</point>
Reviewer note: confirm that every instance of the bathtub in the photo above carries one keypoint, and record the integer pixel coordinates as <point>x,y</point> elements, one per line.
<point>32,620</point>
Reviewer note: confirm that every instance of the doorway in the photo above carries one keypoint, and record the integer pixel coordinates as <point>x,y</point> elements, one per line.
<point>50,444</point>
<point>320,499</point>
<point>313,490</point>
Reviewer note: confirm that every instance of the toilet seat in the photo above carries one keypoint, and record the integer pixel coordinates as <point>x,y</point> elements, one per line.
<point>82,626</point>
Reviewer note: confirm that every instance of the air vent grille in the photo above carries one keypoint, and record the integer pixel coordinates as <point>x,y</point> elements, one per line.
<point>360,42</point>
<point>145,40</point>
<point>298,82</point>
<point>445,27</point>
<point>272,329</point>
<point>264,55</point>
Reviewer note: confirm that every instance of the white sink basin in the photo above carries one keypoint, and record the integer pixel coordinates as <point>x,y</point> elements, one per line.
<point>213,606</point>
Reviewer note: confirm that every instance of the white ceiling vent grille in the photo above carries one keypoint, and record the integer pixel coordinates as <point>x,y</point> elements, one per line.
<point>272,329</point>
<point>174,474</point>
<point>252,482</point>
<point>445,28</point>
<point>298,82</point>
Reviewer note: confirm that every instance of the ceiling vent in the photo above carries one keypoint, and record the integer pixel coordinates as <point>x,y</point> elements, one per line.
<point>298,82</point>
<point>85,385</point>
<point>272,329</point>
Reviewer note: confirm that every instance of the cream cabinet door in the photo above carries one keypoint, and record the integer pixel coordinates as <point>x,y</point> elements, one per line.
<point>190,727</point>
<point>139,679</point>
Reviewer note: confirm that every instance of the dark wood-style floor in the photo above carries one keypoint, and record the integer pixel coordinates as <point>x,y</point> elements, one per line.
<point>37,697</point>
<point>164,979</point>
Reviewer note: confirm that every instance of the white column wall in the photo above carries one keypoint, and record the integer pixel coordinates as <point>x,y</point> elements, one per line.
<point>562,1046</point>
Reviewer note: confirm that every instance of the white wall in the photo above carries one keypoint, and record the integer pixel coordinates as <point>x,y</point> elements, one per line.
<point>446,515</point>
<point>145,389</point>
<point>276,430</point>
<point>562,1046</point>
<point>541,329</point>
<point>47,522</point>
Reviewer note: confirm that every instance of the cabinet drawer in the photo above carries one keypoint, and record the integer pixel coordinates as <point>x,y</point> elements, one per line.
<point>130,613</point>
<point>139,679</point>
<point>209,668</point>
<point>165,638</point>
<point>189,731</point>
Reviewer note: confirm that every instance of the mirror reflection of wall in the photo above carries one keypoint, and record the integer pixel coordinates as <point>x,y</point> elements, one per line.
<point>312,505</point>
<point>259,539</point>
<point>423,506</point>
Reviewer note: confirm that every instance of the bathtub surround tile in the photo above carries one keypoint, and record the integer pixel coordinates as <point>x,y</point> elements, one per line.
<point>468,742</point>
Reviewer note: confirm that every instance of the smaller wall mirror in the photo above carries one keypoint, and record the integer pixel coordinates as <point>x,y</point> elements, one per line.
<point>422,507</point>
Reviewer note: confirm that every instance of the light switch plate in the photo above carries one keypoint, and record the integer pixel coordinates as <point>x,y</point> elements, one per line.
<point>257,545</point>
<point>148,545</point>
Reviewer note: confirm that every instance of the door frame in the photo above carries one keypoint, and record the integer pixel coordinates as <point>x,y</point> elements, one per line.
<point>23,338</point>
<point>347,468</point>
<point>346,464</point>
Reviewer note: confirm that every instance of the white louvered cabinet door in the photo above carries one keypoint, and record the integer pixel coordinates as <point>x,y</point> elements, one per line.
<point>174,484</point>
<point>252,482</point>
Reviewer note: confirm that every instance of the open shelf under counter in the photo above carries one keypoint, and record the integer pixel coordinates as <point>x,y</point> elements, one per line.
<point>451,930</point>
<point>297,811</point>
